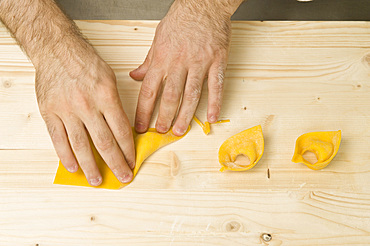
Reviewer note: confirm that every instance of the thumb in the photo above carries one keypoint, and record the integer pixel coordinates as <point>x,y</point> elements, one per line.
<point>140,72</point>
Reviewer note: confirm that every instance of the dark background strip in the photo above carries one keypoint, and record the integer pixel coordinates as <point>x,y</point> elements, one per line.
<point>250,10</point>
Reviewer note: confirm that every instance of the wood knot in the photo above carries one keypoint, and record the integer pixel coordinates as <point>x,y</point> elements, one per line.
<point>175,163</point>
<point>92,218</point>
<point>358,86</point>
<point>233,226</point>
<point>7,83</point>
<point>268,121</point>
<point>366,60</point>
<point>135,28</point>
<point>266,237</point>
<point>245,108</point>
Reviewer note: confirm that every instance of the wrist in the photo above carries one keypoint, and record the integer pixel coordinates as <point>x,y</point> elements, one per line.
<point>218,9</point>
<point>65,49</point>
<point>229,6</point>
<point>43,31</point>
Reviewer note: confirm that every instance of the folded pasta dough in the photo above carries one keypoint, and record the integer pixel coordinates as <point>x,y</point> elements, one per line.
<point>145,144</point>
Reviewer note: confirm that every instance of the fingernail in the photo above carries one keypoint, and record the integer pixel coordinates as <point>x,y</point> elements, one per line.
<point>179,131</point>
<point>140,127</point>
<point>212,119</point>
<point>131,165</point>
<point>125,178</point>
<point>162,129</point>
<point>72,169</point>
<point>95,181</point>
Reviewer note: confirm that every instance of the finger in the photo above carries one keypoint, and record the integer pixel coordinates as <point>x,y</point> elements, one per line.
<point>80,144</point>
<point>170,98</point>
<point>215,90</point>
<point>108,148</point>
<point>122,132</point>
<point>140,72</point>
<point>190,100</point>
<point>60,141</point>
<point>147,97</point>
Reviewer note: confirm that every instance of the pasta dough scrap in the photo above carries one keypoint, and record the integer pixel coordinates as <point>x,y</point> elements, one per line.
<point>206,127</point>
<point>145,145</point>
<point>324,145</point>
<point>249,143</point>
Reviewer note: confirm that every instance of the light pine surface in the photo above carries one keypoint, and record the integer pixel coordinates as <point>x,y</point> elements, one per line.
<point>290,77</point>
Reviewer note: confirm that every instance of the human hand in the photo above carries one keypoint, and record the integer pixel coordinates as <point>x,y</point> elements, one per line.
<point>77,97</point>
<point>191,43</point>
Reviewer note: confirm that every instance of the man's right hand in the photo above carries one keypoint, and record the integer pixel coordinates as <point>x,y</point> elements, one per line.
<point>78,97</point>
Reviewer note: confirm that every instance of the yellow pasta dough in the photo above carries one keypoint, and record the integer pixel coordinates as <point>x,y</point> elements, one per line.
<point>145,145</point>
<point>324,145</point>
<point>249,143</point>
<point>206,127</point>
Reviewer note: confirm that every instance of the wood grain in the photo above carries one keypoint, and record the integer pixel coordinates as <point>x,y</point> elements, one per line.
<point>290,77</point>
<point>54,216</point>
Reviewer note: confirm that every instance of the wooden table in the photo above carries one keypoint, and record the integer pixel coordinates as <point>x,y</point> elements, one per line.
<point>290,77</point>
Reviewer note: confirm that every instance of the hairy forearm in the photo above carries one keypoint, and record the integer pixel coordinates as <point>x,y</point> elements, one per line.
<point>211,17</point>
<point>212,8</point>
<point>42,29</point>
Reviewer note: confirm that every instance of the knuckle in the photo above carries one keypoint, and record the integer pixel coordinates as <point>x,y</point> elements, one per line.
<point>78,142</point>
<point>56,137</point>
<point>104,75</point>
<point>104,142</point>
<point>170,98</point>
<point>199,59</point>
<point>55,134</point>
<point>171,93</point>
<point>146,91</point>
<point>193,94</point>
<point>123,134</point>
<point>81,101</point>
<point>109,93</point>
